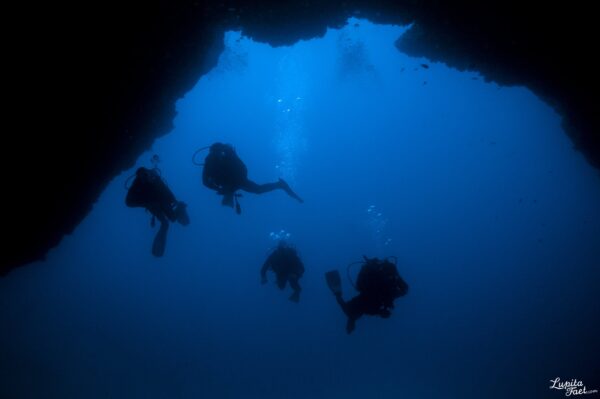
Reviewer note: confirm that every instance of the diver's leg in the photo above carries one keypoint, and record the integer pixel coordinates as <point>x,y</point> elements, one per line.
<point>168,210</point>
<point>256,188</point>
<point>351,309</point>
<point>295,297</point>
<point>227,199</point>
<point>160,240</point>
<point>238,208</point>
<point>351,323</point>
<point>342,303</point>
<point>281,282</point>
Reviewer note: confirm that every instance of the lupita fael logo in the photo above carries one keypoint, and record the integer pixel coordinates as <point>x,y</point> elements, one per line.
<point>572,387</point>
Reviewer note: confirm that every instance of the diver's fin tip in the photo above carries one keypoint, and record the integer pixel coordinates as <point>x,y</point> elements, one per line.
<point>334,281</point>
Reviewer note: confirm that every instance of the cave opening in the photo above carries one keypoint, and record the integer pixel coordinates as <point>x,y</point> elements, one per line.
<point>474,186</point>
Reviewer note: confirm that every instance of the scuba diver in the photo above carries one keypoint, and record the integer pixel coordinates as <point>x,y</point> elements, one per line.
<point>287,266</point>
<point>378,284</point>
<point>149,191</point>
<point>225,173</point>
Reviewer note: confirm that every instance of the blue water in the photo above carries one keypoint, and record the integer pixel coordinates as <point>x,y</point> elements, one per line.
<point>475,187</point>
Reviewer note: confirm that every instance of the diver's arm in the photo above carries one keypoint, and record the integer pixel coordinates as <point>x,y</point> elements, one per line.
<point>207,174</point>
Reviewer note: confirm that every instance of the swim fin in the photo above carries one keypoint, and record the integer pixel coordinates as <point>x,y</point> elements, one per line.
<point>238,208</point>
<point>160,240</point>
<point>334,281</point>
<point>286,187</point>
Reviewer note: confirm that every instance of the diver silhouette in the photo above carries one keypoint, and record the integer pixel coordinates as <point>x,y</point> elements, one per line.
<point>378,284</point>
<point>149,191</point>
<point>287,266</point>
<point>225,173</point>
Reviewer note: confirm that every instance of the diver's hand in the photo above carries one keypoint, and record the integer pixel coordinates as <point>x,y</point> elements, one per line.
<point>263,280</point>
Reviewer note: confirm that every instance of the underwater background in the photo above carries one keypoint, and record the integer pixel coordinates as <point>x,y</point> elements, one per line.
<point>494,218</point>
